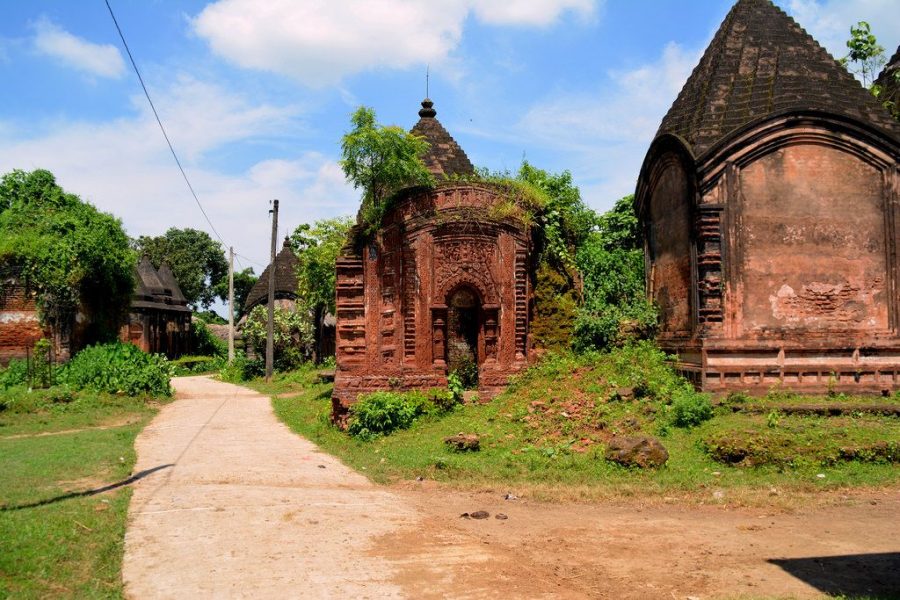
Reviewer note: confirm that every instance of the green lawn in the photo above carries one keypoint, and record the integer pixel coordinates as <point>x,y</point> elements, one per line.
<point>57,538</point>
<point>546,437</point>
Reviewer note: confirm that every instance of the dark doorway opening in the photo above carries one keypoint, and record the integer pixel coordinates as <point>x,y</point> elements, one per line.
<point>463,328</point>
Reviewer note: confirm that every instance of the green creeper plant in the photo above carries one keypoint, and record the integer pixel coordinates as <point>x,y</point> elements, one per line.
<point>69,254</point>
<point>381,160</point>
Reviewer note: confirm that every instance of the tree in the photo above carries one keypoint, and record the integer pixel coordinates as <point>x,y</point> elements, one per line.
<point>197,261</point>
<point>317,248</point>
<point>381,160</point>
<point>865,54</point>
<point>74,256</point>
<point>243,282</point>
<point>564,222</point>
<point>611,262</point>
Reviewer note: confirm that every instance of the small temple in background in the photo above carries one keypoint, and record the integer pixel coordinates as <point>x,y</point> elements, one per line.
<point>159,319</point>
<point>286,285</point>
<point>443,284</point>
<point>769,202</point>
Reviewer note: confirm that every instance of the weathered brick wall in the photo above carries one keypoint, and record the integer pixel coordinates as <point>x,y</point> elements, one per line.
<point>812,244</point>
<point>392,312</point>
<point>20,326</point>
<point>669,248</point>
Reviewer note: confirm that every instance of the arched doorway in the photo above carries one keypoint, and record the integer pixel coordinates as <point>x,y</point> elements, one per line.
<point>463,333</point>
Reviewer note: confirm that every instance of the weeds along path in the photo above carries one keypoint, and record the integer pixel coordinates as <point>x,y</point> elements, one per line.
<point>248,509</point>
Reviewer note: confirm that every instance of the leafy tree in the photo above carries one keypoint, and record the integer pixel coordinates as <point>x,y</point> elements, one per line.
<point>611,262</point>
<point>317,247</point>
<point>243,282</point>
<point>564,222</point>
<point>67,251</point>
<point>197,261</point>
<point>865,54</point>
<point>381,160</point>
<point>293,336</point>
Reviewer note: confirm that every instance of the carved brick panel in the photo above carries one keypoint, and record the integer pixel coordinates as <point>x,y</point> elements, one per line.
<point>710,299</point>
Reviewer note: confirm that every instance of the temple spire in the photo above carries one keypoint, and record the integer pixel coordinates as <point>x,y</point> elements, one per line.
<point>427,112</point>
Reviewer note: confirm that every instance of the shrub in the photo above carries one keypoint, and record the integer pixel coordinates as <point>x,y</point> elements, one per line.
<point>118,368</point>
<point>16,373</point>
<point>442,400</point>
<point>293,336</point>
<point>465,370</point>
<point>204,342</point>
<point>191,365</point>
<point>242,369</point>
<point>380,413</point>
<point>690,408</point>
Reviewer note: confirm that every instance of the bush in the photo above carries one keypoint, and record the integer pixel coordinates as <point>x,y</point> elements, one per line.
<point>690,408</point>
<point>380,413</point>
<point>204,342</point>
<point>293,337</point>
<point>16,373</point>
<point>192,365</point>
<point>242,369</point>
<point>118,368</point>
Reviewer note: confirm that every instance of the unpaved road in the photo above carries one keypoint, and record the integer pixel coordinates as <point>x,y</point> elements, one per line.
<point>234,505</point>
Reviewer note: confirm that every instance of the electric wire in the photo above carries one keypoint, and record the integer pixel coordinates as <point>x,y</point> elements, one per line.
<point>159,122</point>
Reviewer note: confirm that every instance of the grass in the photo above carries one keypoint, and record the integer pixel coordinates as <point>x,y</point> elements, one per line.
<point>546,437</point>
<point>55,542</point>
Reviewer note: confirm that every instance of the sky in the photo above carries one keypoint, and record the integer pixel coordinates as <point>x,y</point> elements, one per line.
<point>255,96</point>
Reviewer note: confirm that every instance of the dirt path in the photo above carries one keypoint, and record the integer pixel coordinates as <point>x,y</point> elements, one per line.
<point>246,509</point>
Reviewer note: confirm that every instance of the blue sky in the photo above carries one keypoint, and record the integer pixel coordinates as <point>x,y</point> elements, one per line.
<point>256,95</point>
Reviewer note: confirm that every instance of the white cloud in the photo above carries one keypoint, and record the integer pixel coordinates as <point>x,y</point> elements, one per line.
<point>100,60</point>
<point>538,13</point>
<point>829,21</point>
<point>124,167</point>
<point>607,132</point>
<point>318,42</point>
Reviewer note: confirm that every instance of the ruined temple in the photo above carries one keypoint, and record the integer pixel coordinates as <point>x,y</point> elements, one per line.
<point>443,282</point>
<point>768,201</point>
<point>159,320</point>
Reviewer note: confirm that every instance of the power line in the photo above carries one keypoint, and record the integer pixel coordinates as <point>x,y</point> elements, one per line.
<point>159,122</point>
<point>251,261</point>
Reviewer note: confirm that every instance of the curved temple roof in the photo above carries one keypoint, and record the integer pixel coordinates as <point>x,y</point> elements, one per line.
<point>444,156</point>
<point>286,283</point>
<point>760,63</point>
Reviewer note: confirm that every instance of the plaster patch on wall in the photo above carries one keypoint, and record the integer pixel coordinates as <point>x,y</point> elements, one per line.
<point>841,302</point>
<point>18,316</point>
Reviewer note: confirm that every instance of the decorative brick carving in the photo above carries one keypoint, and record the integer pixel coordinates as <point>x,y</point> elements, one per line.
<point>709,265</point>
<point>769,202</point>
<point>432,245</point>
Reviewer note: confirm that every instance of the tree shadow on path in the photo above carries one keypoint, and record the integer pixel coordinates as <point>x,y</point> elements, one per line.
<point>91,492</point>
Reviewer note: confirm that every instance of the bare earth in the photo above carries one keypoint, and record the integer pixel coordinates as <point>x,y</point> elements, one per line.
<point>238,506</point>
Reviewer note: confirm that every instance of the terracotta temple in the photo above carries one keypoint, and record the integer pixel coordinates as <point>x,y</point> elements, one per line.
<point>769,203</point>
<point>441,283</point>
<point>159,320</point>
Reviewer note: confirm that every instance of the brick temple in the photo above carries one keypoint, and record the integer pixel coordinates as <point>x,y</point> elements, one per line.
<point>441,283</point>
<point>159,320</point>
<point>769,204</point>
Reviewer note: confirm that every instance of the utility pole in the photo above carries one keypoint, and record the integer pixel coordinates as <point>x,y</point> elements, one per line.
<point>230,304</point>
<point>270,326</point>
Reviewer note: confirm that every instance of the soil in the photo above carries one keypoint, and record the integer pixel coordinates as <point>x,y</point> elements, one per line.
<point>249,509</point>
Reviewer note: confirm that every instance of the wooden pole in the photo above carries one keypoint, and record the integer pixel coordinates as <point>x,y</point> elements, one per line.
<point>270,326</point>
<point>230,304</point>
